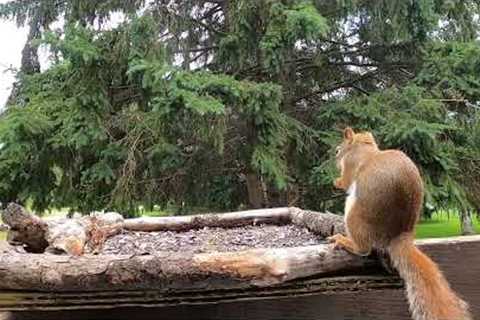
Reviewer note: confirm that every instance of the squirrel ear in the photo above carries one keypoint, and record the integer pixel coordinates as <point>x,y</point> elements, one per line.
<point>348,133</point>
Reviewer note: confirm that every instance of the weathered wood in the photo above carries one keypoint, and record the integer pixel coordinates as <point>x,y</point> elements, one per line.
<point>61,282</point>
<point>225,220</point>
<point>59,235</point>
<point>387,304</point>
<point>154,298</point>
<point>25,228</point>
<point>169,270</point>
<point>87,234</point>
<point>172,270</point>
<point>372,297</point>
<point>325,224</point>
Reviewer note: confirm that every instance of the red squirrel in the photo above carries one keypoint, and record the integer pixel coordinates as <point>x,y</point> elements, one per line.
<point>385,194</point>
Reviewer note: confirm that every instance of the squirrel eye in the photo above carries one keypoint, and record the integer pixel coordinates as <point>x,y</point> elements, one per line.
<point>337,150</point>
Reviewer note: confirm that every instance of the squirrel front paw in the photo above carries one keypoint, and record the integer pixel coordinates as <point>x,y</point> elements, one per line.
<point>339,241</point>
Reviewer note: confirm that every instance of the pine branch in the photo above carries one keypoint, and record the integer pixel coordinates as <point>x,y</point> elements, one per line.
<point>338,85</point>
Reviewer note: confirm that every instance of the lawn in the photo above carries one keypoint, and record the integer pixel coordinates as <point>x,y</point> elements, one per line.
<point>442,225</point>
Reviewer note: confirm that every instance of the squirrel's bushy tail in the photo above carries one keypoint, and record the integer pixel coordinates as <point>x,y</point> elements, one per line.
<point>428,292</point>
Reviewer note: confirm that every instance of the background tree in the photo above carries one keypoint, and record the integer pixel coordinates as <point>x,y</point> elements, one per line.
<point>228,103</point>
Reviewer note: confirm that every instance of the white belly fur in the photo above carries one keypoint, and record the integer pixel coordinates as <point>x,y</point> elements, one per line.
<point>351,198</point>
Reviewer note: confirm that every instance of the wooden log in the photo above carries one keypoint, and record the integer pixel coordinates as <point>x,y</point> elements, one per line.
<point>59,235</point>
<point>25,229</point>
<point>74,236</point>
<point>261,267</point>
<point>173,270</point>
<point>52,282</point>
<point>276,216</point>
<point>355,297</point>
<point>325,224</point>
<point>167,271</point>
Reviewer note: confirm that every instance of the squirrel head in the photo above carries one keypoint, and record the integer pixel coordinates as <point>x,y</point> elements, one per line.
<point>352,140</point>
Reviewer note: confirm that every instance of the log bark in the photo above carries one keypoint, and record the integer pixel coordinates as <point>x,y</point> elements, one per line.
<point>324,296</point>
<point>325,224</point>
<point>278,216</point>
<point>54,232</point>
<point>87,234</point>
<point>173,271</point>
<point>25,229</point>
<point>72,236</point>
<point>165,270</point>
<point>60,282</point>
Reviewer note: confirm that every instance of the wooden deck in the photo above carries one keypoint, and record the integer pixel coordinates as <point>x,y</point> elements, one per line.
<point>362,297</point>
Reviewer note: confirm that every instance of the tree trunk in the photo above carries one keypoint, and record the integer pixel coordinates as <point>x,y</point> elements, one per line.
<point>29,63</point>
<point>466,222</point>
<point>290,195</point>
<point>255,190</point>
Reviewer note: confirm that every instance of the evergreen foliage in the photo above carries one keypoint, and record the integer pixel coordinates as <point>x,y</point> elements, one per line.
<point>221,104</point>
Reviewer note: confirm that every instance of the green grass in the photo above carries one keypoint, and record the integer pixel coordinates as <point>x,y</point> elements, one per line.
<point>442,225</point>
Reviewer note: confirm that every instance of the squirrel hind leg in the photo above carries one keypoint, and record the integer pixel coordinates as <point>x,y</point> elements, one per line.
<point>359,232</point>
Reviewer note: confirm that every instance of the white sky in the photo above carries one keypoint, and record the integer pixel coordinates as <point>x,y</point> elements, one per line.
<point>12,40</point>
